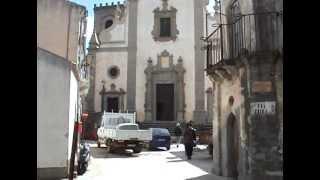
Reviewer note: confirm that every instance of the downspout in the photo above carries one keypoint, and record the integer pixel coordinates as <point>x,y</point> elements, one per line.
<point>68,33</point>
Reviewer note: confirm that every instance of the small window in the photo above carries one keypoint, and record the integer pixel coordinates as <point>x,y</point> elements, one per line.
<point>114,72</point>
<point>165,27</point>
<point>108,23</point>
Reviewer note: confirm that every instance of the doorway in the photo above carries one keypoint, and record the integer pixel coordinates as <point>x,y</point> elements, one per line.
<point>165,102</point>
<point>112,104</point>
<point>233,145</point>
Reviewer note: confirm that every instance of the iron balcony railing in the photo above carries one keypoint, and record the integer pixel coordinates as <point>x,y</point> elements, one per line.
<point>250,33</point>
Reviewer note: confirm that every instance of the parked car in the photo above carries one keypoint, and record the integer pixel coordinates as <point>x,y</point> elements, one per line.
<point>160,138</point>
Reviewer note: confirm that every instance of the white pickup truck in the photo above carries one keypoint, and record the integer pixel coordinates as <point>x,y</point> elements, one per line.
<point>119,131</point>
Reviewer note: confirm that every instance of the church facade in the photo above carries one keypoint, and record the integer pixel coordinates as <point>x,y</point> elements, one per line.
<point>146,56</point>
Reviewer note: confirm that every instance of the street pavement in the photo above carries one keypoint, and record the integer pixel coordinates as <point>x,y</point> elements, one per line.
<point>148,165</point>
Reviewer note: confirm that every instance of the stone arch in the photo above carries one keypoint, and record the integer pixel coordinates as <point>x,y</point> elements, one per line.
<point>233,145</point>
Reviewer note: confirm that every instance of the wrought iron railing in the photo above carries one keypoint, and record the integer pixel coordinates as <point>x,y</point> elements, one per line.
<point>249,33</point>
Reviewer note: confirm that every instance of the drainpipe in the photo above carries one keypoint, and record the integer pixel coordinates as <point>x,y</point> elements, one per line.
<point>68,32</point>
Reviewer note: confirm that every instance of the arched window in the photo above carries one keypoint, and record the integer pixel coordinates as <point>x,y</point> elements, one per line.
<point>108,23</point>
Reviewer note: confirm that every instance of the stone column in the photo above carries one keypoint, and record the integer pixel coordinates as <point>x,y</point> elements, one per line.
<point>132,55</point>
<point>148,93</point>
<point>180,89</point>
<point>199,114</point>
<point>210,104</point>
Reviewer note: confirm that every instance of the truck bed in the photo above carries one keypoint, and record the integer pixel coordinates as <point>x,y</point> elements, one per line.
<point>116,134</point>
<point>141,135</point>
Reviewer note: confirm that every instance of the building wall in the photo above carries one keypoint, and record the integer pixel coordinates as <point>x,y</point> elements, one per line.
<point>114,50</point>
<point>183,46</point>
<point>73,109</point>
<point>58,27</point>
<point>104,61</point>
<point>53,95</point>
<point>223,91</point>
<point>60,39</point>
<point>260,135</point>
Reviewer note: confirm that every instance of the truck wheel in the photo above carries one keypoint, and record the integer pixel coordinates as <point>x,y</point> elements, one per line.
<point>137,149</point>
<point>108,149</point>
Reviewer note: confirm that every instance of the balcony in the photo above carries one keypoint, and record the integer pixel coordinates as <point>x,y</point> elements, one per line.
<point>248,34</point>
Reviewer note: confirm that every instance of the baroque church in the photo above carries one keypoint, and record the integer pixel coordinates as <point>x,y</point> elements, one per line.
<point>147,57</point>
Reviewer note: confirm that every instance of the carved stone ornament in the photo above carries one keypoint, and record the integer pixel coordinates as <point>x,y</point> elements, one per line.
<point>164,73</point>
<point>165,13</point>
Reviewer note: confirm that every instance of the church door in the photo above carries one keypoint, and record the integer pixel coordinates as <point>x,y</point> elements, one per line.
<point>113,104</point>
<point>165,102</point>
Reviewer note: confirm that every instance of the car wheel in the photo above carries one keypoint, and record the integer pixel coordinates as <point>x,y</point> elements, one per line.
<point>168,147</point>
<point>99,145</point>
<point>109,150</point>
<point>137,149</point>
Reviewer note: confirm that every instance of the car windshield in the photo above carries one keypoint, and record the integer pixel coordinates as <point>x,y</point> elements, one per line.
<point>128,127</point>
<point>160,131</point>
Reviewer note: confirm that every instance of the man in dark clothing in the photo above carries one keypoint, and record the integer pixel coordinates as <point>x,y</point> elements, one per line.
<point>189,138</point>
<point>178,133</point>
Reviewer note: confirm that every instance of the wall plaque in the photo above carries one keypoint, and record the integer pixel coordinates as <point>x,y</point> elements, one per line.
<point>165,62</point>
<point>262,86</point>
<point>263,108</point>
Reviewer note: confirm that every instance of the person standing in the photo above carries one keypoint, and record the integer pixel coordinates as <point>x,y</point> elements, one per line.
<point>178,133</point>
<point>189,138</point>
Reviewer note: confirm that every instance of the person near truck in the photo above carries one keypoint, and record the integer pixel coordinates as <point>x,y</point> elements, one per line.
<point>178,133</point>
<point>189,138</point>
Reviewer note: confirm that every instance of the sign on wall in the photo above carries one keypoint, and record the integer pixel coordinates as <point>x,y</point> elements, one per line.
<point>263,108</point>
<point>262,86</point>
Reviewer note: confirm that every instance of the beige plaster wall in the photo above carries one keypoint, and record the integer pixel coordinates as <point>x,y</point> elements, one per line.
<point>52,27</point>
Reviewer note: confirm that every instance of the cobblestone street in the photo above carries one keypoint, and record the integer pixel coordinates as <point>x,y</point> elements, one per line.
<point>148,165</point>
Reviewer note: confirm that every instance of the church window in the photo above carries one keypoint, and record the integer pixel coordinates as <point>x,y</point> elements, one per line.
<point>113,72</point>
<point>165,27</point>
<point>108,23</point>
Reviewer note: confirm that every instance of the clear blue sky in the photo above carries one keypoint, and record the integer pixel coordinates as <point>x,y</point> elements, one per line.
<point>89,4</point>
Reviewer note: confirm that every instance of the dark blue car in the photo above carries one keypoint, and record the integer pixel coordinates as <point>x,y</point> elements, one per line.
<point>160,138</point>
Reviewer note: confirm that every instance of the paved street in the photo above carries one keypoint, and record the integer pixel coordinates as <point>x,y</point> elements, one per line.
<point>148,165</point>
